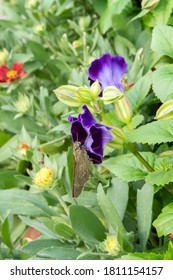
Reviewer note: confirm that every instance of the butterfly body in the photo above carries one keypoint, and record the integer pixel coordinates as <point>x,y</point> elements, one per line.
<point>82,168</point>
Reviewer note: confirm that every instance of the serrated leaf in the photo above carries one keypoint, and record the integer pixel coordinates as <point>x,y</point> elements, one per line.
<point>138,92</point>
<point>162,40</point>
<point>142,256</point>
<point>86,224</point>
<point>128,167</point>
<point>144,213</point>
<point>160,177</point>
<point>164,222</point>
<point>162,79</point>
<point>153,133</point>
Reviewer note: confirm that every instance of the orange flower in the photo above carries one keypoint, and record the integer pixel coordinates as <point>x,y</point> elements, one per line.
<point>23,148</point>
<point>8,75</point>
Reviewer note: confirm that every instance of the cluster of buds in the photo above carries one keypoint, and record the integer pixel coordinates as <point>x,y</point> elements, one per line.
<point>44,178</point>
<point>165,112</point>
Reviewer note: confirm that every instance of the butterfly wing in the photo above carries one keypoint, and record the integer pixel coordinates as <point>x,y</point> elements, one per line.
<point>82,168</point>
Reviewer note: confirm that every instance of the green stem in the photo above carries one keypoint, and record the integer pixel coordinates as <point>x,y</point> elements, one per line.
<point>129,146</point>
<point>61,201</point>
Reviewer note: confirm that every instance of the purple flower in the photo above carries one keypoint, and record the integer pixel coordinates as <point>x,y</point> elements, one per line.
<point>92,135</point>
<point>108,70</point>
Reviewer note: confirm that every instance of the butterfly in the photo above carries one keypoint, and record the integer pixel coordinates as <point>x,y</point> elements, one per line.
<point>82,168</point>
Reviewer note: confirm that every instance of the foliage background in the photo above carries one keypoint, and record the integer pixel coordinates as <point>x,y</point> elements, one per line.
<point>56,42</point>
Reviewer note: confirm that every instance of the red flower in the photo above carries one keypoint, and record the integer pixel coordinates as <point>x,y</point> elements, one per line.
<point>8,75</point>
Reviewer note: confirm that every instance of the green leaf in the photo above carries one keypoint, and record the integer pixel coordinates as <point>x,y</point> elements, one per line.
<point>86,224</point>
<point>138,92</point>
<point>128,168</point>
<point>163,12</point>
<point>113,218</point>
<point>118,194</point>
<point>38,51</point>
<point>162,40</point>
<point>5,231</point>
<point>142,256</point>
<point>164,222</point>
<point>8,179</point>
<point>7,149</point>
<point>160,178</point>
<point>35,246</point>
<point>169,253</point>
<point>64,231</point>
<point>4,137</point>
<point>59,253</point>
<point>39,226</point>
<point>12,199</point>
<point>153,133</point>
<point>162,79</point>
<point>144,213</point>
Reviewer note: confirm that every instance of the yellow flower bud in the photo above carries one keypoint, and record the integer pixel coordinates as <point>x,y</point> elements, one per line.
<point>44,178</point>
<point>76,44</point>
<point>111,245</point>
<point>165,112</point>
<point>68,95</point>
<point>123,109</point>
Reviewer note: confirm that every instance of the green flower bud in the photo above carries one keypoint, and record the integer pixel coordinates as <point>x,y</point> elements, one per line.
<point>84,22</point>
<point>165,112</point>
<point>68,95</point>
<point>95,89</point>
<point>3,57</point>
<point>110,94</point>
<point>23,104</point>
<point>123,109</point>
<point>76,44</point>
<point>149,4</point>
<point>84,94</point>
<point>39,29</point>
<point>166,153</point>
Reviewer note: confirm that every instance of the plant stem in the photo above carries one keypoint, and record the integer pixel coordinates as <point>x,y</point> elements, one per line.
<point>62,202</point>
<point>129,146</point>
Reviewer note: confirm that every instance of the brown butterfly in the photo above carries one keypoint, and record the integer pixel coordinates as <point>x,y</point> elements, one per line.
<point>82,168</point>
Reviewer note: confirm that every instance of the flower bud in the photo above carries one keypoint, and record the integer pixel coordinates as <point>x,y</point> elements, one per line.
<point>110,245</point>
<point>166,153</point>
<point>95,89</point>
<point>22,105</point>
<point>23,148</point>
<point>76,44</point>
<point>123,109</point>
<point>3,57</point>
<point>110,94</point>
<point>165,112</point>
<point>149,4</point>
<point>68,95</point>
<point>39,29</point>
<point>32,4</point>
<point>84,94</point>
<point>84,22</point>
<point>44,178</point>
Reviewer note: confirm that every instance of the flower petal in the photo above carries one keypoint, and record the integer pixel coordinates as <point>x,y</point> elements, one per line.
<point>108,70</point>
